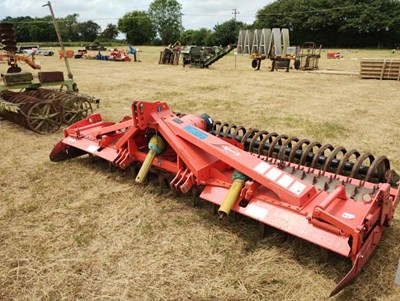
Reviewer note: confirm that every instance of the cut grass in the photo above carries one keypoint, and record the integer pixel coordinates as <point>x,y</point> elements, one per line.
<point>73,231</point>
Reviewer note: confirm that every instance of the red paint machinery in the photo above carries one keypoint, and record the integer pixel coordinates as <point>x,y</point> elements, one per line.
<point>118,55</point>
<point>337,199</point>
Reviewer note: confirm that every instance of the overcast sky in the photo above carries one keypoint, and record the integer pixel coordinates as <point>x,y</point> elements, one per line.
<point>197,13</point>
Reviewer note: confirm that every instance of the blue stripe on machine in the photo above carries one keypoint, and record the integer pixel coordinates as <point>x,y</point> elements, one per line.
<point>195,132</point>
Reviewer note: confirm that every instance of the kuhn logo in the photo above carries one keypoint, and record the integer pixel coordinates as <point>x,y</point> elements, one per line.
<point>230,150</point>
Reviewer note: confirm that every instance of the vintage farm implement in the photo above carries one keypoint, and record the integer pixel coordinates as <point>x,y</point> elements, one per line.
<point>204,57</point>
<point>43,118</point>
<point>169,56</point>
<point>34,106</point>
<point>8,39</point>
<point>38,115</point>
<point>337,199</point>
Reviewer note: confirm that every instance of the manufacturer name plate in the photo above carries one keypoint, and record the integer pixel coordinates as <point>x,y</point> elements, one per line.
<point>195,132</point>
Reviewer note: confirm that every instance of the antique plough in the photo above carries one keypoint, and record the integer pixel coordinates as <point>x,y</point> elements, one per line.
<point>337,199</point>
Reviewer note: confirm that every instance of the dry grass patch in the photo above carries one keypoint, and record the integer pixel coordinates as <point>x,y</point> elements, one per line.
<point>74,231</point>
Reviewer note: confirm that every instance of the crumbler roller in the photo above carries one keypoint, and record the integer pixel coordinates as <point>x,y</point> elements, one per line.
<point>38,115</point>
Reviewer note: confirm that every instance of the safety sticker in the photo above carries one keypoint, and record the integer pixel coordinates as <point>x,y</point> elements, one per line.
<point>92,148</point>
<point>273,174</point>
<point>297,188</point>
<point>256,212</point>
<point>285,181</point>
<point>71,140</point>
<point>195,132</point>
<point>262,167</point>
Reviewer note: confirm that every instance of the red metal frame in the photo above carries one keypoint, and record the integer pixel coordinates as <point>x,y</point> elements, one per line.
<point>347,219</point>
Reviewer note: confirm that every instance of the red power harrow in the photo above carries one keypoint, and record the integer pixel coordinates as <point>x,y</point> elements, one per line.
<point>337,199</point>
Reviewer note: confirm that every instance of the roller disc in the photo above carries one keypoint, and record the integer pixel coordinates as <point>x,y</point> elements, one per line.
<point>14,69</point>
<point>9,42</point>
<point>10,48</point>
<point>6,26</point>
<point>44,117</point>
<point>10,35</point>
<point>76,109</point>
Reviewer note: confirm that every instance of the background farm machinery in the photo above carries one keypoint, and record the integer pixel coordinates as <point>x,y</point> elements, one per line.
<point>35,107</point>
<point>171,54</point>
<point>203,57</point>
<point>274,44</point>
<point>338,199</point>
<point>115,55</point>
<point>13,62</point>
<point>38,108</point>
<point>309,56</point>
<point>8,39</point>
<point>132,50</point>
<point>305,57</point>
<point>118,56</point>
<point>34,50</point>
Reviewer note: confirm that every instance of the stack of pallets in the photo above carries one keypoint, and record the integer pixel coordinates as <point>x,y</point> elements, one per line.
<point>380,69</point>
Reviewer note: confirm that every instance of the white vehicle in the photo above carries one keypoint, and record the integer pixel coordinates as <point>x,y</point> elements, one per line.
<point>30,50</point>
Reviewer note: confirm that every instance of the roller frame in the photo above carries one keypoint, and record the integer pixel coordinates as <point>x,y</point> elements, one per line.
<point>338,213</point>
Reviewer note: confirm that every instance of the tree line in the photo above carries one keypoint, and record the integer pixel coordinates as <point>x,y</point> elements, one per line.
<point>341,23</point>
<point>37,29</point>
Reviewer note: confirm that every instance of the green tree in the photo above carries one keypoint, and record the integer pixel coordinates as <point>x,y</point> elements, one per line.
<point>186,37</point>
<point>42,30</point>
<point>226,33</point>
<point>138,28</point>
<point>69,27</point>
<point>21,25</point>
<point>166,17</point>
<point>348,23</point>
<point>87,31</point>
<point>211,39</point>
<point>195,37</point>
<point>109,33</point>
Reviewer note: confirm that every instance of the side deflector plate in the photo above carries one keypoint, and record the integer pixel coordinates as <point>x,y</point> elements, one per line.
<point>283,219</point>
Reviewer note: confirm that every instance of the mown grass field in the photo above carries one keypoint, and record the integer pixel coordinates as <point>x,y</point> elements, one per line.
<point>75,231</point>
